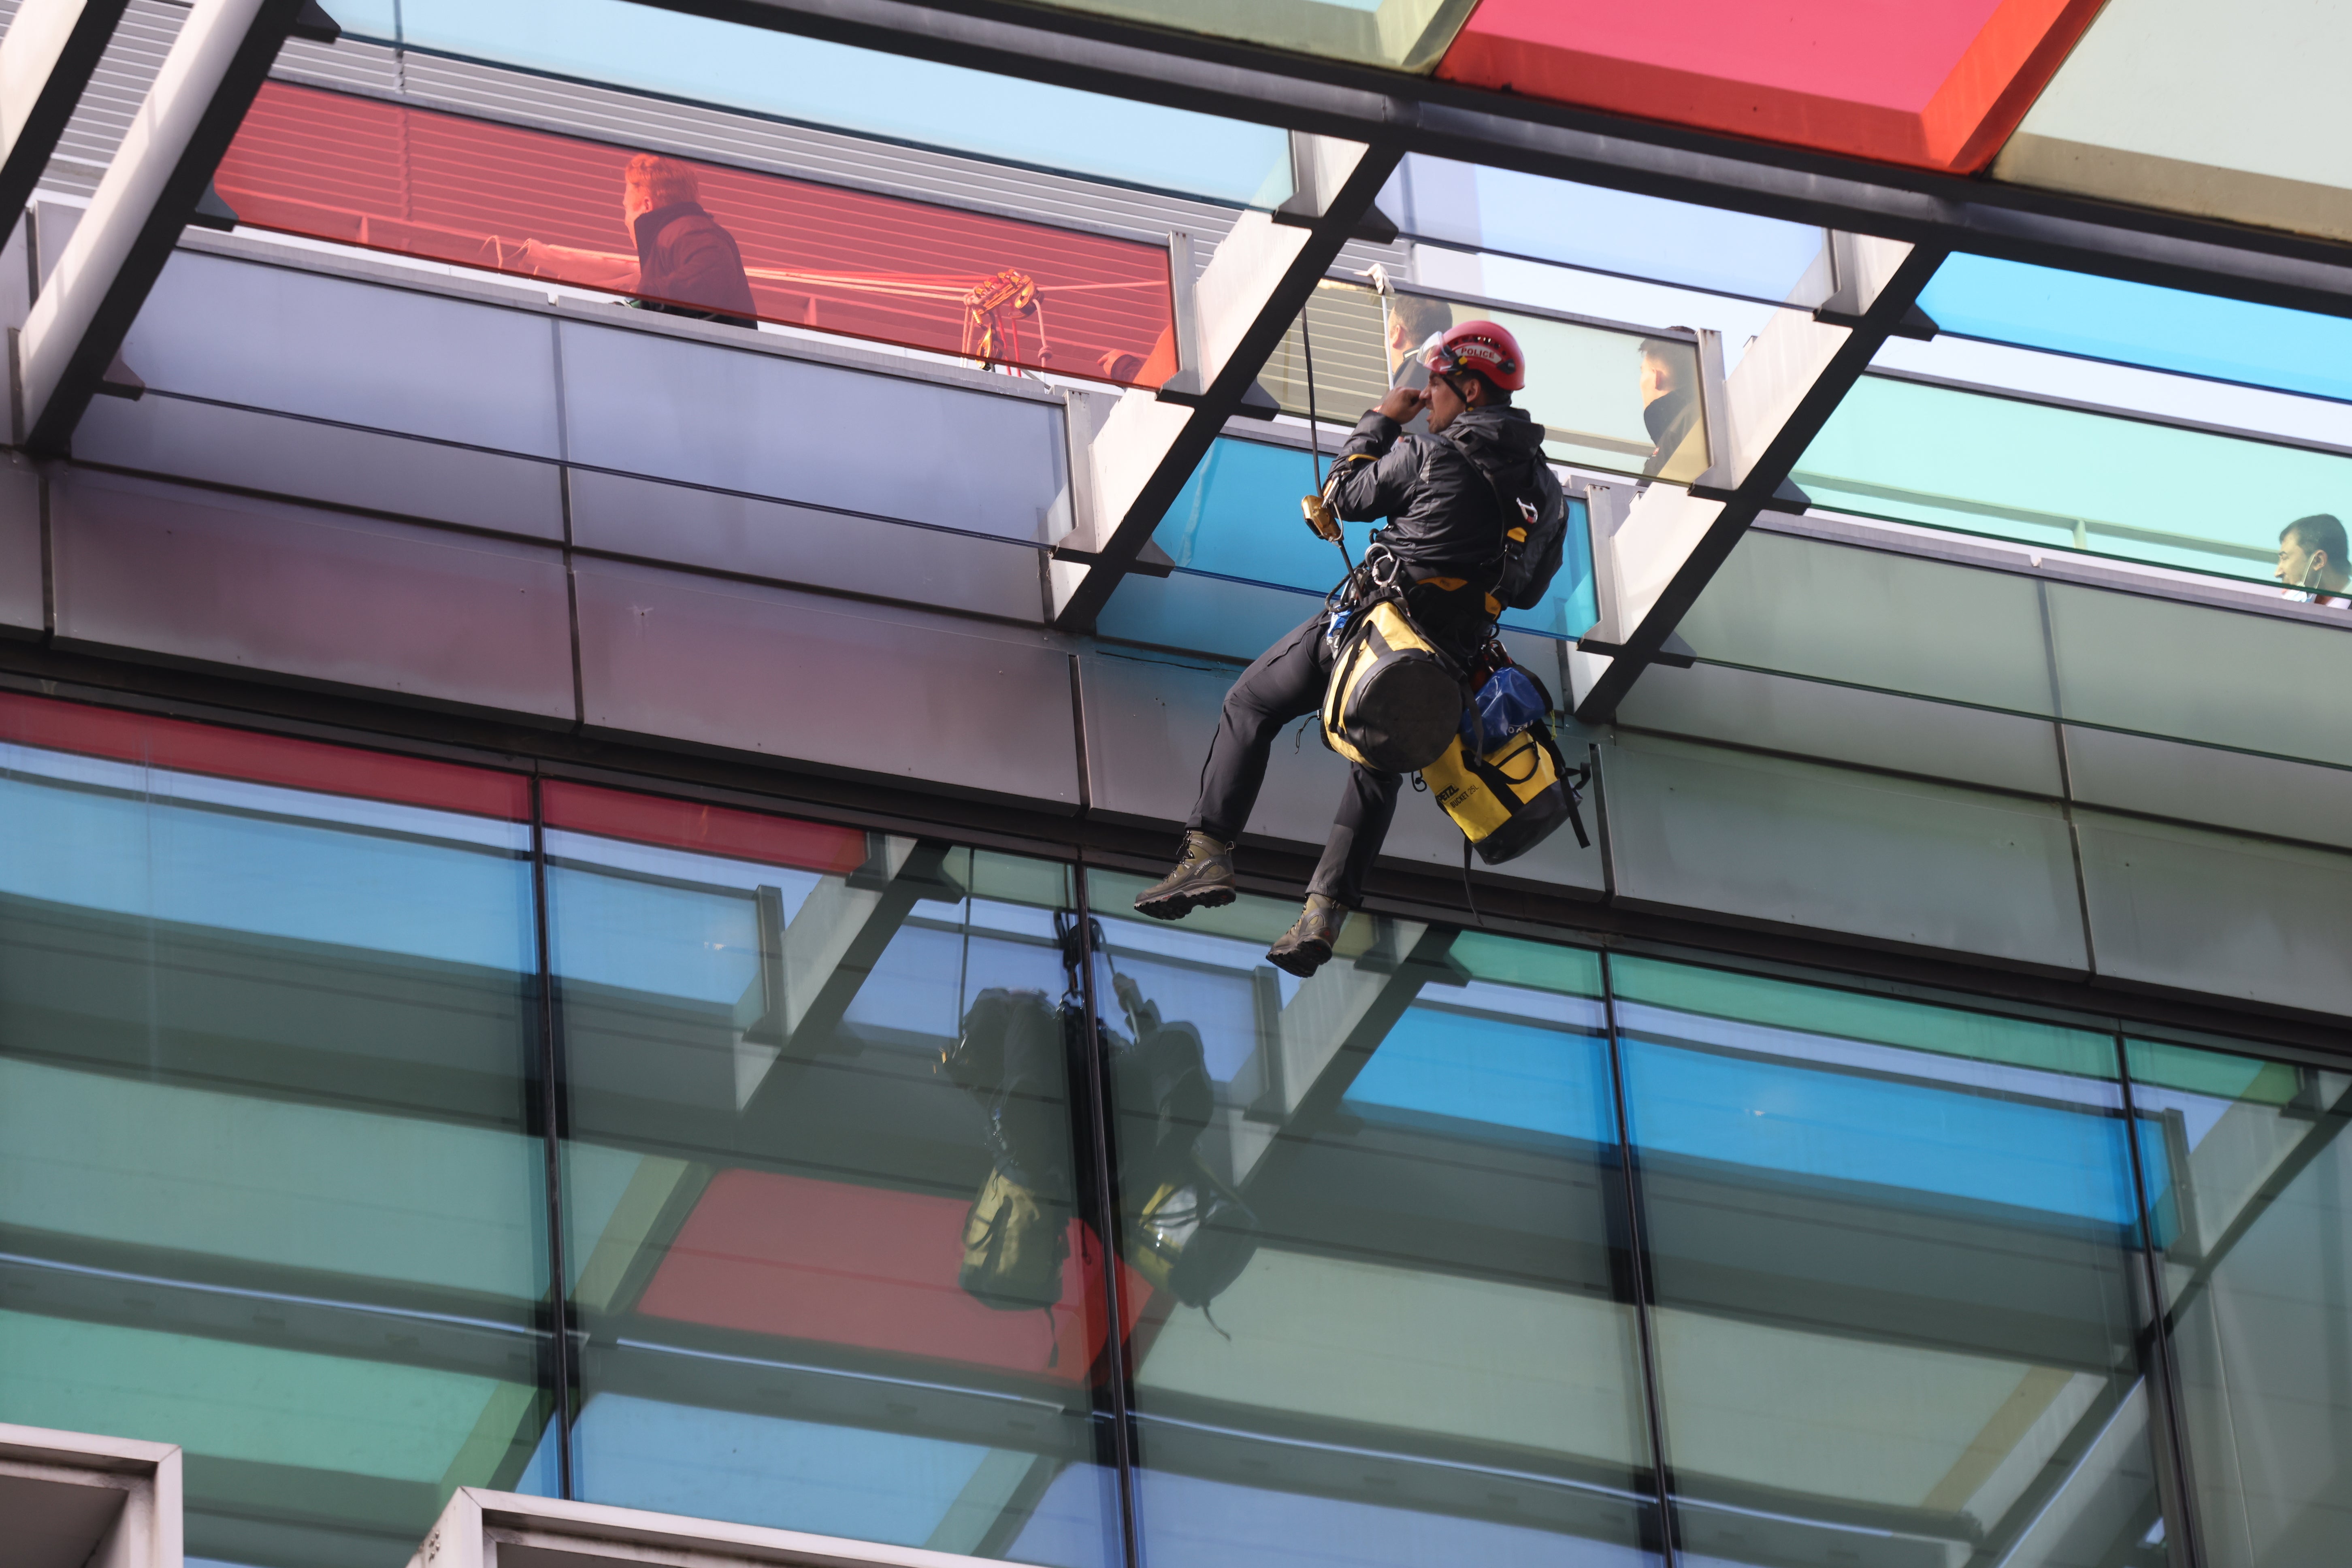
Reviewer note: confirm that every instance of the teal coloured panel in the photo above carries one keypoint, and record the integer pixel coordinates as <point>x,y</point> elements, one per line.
<point>2067,478</point>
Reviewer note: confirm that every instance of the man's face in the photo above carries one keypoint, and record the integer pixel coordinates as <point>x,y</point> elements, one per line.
<point>2299,567</point>
<point>1657,380</point>
<point>634,202</point>
<point>1446,403</point>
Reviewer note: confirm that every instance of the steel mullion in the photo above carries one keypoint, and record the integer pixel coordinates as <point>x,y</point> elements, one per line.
<point>1637,1254</point>
<point>1099,1138</point>
<point>550,1108</point>
<point>2183,1545</point>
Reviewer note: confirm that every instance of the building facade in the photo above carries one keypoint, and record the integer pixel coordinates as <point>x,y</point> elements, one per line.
<point>566,887</point>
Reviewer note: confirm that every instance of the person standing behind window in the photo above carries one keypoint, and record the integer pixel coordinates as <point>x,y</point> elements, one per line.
<point>1669,401</point>
<point>686,264</point>
<point>2313,561</point>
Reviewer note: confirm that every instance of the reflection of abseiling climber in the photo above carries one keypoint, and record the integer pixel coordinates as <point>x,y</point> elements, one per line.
<point>1010,1056</point>
<point>1182,1230</point>
<point>1186,1232</point>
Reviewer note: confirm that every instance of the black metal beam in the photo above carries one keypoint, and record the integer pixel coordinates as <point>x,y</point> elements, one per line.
<point>1235,378</point>
<point>95,291</point>
<point>1758,489</point>
<point>1214,76</point>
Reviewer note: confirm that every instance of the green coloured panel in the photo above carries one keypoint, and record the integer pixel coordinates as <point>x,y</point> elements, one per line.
<point>1575,971</point>
<point>1861,1015</point>
<point>267,1181</point>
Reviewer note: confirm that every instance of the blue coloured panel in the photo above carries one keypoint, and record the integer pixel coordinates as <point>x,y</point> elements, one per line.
<point>893,96</point>
<point>764,1469</point>
<point>2139,324</point>
<point>1829,1126</point>
<point>1608,231</point>
<point>1498,1073</point>
<point>1191,1523</point>
<point>236,869</point>
<point>1237,519</point>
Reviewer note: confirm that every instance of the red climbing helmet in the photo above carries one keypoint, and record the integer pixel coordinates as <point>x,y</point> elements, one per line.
<point>1485,348</point>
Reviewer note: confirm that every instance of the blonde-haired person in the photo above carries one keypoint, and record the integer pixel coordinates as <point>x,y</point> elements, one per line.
<point>685,264</point>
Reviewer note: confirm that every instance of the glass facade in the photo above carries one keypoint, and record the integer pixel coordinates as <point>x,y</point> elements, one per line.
<point>2072,479</point>
<point>269,1172</point>
<point>691,237</point>
<point>1471,1247</point>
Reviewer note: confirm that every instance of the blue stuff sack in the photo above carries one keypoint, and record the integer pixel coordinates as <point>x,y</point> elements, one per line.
<point>1509,703</point>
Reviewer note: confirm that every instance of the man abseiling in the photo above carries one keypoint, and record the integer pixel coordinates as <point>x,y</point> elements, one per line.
<point>1443,495</point>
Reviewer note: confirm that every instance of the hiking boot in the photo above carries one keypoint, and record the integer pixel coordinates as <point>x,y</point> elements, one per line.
<point>1305,947</point>
<point>1203,879</point>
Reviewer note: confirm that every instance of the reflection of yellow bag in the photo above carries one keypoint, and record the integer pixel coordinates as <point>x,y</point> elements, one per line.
<point>1393,698</point>
<point>1014,1246</point>
<point>1192,1237</point>
<point>1510,800</point>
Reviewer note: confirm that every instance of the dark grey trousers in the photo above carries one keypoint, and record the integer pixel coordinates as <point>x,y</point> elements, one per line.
<point>1286,683</point>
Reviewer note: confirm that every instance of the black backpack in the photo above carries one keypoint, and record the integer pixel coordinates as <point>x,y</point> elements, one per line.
<point>1534,532</point>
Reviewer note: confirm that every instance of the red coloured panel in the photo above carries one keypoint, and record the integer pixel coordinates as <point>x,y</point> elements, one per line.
<point>871,1268</point>
<point>704,830</point>
<point>182,747</point>
<point>478,194</point>
<point>1937,84</point>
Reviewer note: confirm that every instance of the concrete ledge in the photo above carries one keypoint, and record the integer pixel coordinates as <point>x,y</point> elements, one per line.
<point>69,1500</point>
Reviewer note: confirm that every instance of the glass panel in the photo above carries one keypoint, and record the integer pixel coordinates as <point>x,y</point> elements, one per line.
<point>2228,114</point>
<point>1937,83</point>
<point>1932,628</point>
<point>831,1277</point>
<point>1899,1299</point>
<point>1381,1214</point>
<point>2256,1234</point>
<point>1610,398</point>
<point>2139,324</point>
<point>696,238</point>
<point>1407,34</point>
<point>2073,480</point>
<point>1508,216</point>
<point>266,1032</point>
<point>1235,522</point>
<point>809,82</point>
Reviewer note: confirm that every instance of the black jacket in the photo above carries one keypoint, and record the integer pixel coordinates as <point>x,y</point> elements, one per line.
<point>1445,518</point>
<point>1669,419</point>
<point>689,266</point>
